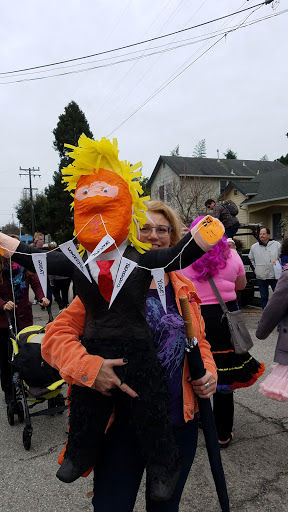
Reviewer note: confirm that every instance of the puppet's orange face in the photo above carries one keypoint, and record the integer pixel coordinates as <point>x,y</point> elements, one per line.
<point>107,194</point>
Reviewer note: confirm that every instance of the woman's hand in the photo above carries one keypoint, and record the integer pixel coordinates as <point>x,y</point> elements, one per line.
<point>107,378</point>
<point>9,306</point>
<point>201,387</point>
<point>44,302</point>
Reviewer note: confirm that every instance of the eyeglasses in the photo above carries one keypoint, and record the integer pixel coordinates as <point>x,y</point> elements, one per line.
<point>160,230</point>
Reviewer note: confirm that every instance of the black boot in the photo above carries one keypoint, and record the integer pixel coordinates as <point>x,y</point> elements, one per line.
<point>161,482</point>
<point>69,472</point>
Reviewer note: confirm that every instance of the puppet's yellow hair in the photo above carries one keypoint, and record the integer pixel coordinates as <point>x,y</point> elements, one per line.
<point>90,156</point>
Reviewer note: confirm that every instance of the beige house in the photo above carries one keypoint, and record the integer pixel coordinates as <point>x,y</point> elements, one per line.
<point>259,188</point>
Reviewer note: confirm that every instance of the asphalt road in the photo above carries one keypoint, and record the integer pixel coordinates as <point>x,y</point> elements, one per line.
<point>255,463</point>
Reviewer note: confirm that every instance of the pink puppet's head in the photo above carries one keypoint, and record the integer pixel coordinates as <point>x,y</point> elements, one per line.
<point>212,261</point>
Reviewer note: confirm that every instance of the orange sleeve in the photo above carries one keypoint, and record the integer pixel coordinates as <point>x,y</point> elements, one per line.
<point>205,349</point>
<point>62,349</point>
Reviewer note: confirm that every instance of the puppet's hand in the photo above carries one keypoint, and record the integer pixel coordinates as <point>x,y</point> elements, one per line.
<point>207,232</point>
<point>8,245</point>
<point>107,379</point>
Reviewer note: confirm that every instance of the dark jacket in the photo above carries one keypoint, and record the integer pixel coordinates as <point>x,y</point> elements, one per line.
<point>277,311</point>
<point>24,307</point>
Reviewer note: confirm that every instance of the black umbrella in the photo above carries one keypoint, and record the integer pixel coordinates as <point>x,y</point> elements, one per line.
<point>197,370</point>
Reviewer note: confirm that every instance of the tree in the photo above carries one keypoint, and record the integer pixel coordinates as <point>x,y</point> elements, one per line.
<point>264,158</point>
<point>10,229</point>
<point>175,151</point>
<point>52,208</point>
<point>187,196</point>
<point>58,214</point>
<point>70,126</point>
<point>146,187</point>
<point>283,159</point>
<point>200,149</point>
<point>23,210</point>
<point>230,155</point>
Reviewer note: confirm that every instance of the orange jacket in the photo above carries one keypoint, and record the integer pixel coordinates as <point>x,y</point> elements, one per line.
<point>62,350</point>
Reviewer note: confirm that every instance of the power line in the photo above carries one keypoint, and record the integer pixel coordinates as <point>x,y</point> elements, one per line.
<point>138,43</point>
<point>143,55</point>
<point>164,85</point>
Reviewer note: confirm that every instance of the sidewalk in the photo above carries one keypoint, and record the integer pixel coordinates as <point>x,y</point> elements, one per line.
<point>256,463</point>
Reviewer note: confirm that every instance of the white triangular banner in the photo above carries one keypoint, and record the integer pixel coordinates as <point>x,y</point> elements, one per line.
<point>40,264</point>
<point>158,275</point>
<point>125,269</point>
<point>105,243</point>
<point>69,249</point>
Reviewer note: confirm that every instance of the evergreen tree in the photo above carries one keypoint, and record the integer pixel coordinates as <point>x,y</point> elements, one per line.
<point>175,151</point>
<point>283,159</point>
<point>264,158</point>
<point>230,155</point>
<point>58,214</point>
<point>23,211</point>
<point>200,149</point>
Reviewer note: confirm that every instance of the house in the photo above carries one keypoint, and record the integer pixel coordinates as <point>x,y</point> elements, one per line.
<point>262,199</point>
<point>185,183</point>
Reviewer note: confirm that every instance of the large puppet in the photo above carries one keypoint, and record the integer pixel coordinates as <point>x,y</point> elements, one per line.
<point>108,212</point>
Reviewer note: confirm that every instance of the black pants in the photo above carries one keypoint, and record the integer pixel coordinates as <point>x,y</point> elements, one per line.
<point>5,366</point>
<point>223,409</point>
<point>60,292</point>
<point>119,471</point>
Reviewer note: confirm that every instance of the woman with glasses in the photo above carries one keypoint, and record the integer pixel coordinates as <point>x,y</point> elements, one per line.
<point>121,466</point>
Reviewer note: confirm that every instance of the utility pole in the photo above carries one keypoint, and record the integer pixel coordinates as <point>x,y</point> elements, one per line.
<point>31,172</point>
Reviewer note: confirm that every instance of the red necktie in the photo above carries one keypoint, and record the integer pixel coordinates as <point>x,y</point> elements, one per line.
<point>105,281</point>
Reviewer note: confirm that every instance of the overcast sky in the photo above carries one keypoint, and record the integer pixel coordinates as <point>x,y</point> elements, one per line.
<point>234,96</point>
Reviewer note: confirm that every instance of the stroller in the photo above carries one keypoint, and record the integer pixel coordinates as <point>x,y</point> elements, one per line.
<point>33,380</point>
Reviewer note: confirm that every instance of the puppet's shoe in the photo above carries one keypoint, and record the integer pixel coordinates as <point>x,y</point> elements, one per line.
<point>207,232</point>
<point>69,472</point>
<point>161,482</point>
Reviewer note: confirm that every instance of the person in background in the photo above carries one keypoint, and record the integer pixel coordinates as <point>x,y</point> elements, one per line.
<point>38,240</point>
<point>120,448</point>
<point>14,297</point>
<point>59,285</point>
<point>221,212</point>
<point>262,254</point>
<point>275,386</point>
<point>225,266</point>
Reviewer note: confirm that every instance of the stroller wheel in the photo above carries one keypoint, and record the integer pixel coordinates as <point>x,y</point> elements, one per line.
<point>10,414</point>
<point>27,439</point>
<point>20,412</point>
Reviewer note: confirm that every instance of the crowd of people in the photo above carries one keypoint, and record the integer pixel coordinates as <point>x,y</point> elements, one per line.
<point>97,379</point>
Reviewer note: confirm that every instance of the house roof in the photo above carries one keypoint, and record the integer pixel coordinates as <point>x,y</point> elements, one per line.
<point>248,188</point>
<point>270,186</point>
<point>213,167</point>
<point>266,186</point>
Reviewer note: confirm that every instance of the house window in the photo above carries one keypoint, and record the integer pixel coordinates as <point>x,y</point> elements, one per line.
<point>276,227</point>
<point>161,192</point>
<point>235,192</point>
<point>223,185</point>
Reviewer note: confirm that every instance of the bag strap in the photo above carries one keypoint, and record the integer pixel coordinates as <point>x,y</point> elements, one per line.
<point>217,293</point>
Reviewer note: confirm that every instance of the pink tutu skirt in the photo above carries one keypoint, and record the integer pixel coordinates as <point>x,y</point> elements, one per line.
<point>275,386</point>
